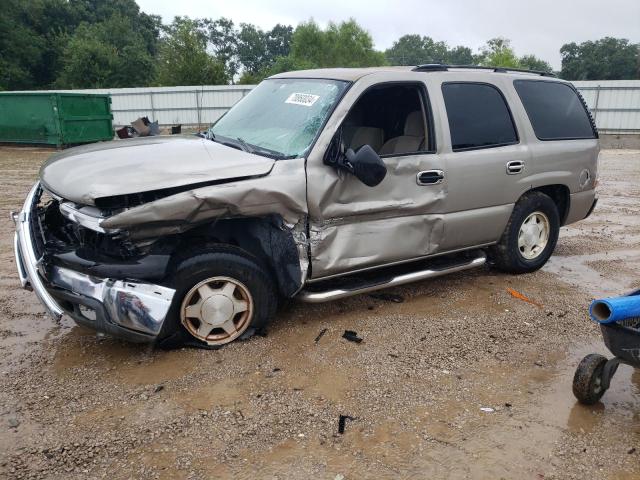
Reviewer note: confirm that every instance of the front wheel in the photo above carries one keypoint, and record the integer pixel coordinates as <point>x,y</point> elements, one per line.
<point>222,294</point>
<point>530,236</point>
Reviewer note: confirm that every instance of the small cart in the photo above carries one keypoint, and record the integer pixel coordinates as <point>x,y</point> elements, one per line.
<point>594,373</point>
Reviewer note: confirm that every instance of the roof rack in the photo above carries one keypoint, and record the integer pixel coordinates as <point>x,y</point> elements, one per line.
<point>440,67</point>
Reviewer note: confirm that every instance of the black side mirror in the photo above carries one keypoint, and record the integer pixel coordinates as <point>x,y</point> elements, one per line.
<point>365,164</point>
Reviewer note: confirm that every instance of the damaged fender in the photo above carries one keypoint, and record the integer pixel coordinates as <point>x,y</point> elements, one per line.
<point>279,197</point>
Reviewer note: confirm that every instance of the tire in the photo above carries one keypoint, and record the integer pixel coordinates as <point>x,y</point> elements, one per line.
<point>587,381</point>
<point>237,288</point>
<point>534,210</point>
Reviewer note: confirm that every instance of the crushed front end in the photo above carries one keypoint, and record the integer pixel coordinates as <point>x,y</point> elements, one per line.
<point>96,276</point>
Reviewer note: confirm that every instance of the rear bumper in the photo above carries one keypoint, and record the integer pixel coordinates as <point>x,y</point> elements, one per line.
<point>581,205</point>
<point>134,311</point>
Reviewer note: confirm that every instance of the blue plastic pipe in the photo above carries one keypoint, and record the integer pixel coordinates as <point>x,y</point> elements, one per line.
<point>615,309</point>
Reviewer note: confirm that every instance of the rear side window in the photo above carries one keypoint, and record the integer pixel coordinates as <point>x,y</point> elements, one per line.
<point>478,116</point>
<point>555,110</point>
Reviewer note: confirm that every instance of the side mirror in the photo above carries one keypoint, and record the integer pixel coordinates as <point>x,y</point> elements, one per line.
<point>365,164</point>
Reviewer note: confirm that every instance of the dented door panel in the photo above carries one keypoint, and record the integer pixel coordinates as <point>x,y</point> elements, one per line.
<point>353,226</point>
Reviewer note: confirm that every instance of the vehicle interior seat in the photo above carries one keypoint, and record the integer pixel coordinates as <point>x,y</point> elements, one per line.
<point>356,133</point>
<point>411,141</point>
<point>372,136</point>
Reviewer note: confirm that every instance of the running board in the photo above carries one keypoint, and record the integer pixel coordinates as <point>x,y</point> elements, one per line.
<point>312,296</point>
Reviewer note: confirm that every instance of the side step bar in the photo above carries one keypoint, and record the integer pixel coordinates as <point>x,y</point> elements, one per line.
<point>311,296</point>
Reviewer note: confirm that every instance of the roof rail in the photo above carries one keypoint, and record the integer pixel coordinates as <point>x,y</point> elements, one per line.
<point>440,67</point>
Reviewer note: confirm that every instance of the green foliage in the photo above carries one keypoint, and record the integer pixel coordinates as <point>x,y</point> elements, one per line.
<point>531,62</point>
<point>417,50</point>
<point>222,41</point>
<point>498,53</point>
<point>38,39</point>
<point>605,59</point>
<point>344,44</point>
<point>110,53</point>
<point>111,43</point>
<point>183,58</point>
<point>258,50</point>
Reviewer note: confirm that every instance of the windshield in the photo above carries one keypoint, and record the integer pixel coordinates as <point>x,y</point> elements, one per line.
<point>280,115</point>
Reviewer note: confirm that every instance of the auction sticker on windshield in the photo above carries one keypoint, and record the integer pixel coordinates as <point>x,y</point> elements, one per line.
<point>304,99</point>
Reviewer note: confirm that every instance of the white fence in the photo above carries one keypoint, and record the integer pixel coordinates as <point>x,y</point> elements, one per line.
<point>615,104</point>
<point>198,105</point>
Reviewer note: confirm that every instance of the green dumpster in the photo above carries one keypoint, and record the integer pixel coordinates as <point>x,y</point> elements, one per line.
<point>55,118</point>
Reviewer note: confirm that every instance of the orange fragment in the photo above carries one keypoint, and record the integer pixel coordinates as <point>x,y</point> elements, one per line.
<point>519,296</point>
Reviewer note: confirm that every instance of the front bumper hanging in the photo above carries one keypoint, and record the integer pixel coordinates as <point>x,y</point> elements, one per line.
<point>131,310</point>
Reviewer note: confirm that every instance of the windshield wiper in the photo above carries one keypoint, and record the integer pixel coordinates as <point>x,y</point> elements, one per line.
<point>245,146</point>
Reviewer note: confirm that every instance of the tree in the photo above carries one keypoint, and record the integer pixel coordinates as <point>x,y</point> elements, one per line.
<point>461,56</point>
<point>531,62</point>
<point>605,59</point>
<point>35,36</point>
<point>106,54</point>
<point>498,53</point>
<point>416,50</point>
<point>183,58</point>
<point>223,43</point>
<point>345,44</point>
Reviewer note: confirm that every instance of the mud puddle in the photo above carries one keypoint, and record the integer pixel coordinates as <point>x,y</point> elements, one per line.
<point>616,278</point>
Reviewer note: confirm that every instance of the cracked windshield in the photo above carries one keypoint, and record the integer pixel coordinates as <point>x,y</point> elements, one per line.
<point>280,116</point>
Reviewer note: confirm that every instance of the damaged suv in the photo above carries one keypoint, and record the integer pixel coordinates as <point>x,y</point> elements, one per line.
<point>317,185</point>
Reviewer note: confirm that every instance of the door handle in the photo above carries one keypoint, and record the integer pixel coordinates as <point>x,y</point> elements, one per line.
<point>430,177</point>
<point>515,167</point>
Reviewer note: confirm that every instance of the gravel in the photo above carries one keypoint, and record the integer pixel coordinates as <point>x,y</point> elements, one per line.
<point>459,379</point>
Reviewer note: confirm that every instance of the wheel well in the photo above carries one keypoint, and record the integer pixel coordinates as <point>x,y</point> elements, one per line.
<point>561,197</point>
<point>265,238</point>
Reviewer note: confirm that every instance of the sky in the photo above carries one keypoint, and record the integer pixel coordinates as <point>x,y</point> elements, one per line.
<point>538,27</point>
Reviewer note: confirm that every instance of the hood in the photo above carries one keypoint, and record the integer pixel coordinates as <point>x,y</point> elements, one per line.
<point>120,167</point>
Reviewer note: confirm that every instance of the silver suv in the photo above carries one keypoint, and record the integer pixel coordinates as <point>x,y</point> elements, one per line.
<point>317,185</point>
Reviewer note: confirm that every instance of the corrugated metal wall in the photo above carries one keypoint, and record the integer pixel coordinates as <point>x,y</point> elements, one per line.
<point>615,104</point>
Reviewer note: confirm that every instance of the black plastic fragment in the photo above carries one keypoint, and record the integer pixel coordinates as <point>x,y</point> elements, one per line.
<point>342,422</point>
<point>322,332</point>
<point>351,336</point>
<point>388,297</point>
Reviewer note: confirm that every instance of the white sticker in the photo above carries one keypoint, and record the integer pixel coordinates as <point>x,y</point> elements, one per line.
<point>304,99</point>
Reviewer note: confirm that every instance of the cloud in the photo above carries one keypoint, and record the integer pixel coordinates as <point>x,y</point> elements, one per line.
<point>538,27</point>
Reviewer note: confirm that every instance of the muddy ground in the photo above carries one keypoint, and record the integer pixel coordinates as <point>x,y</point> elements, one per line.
<point>73,405</point>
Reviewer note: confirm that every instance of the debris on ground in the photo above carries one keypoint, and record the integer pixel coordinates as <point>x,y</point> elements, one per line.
<point>387,297</point>
<point>141,127</point>
<point>351,336</point>
<point>519,296</point>
<point>342,422</point>
<point>322,332</point>
<point>487,409</point>
<point>176,129</point>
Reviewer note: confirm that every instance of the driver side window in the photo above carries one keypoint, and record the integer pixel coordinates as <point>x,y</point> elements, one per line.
<point>391,119</point>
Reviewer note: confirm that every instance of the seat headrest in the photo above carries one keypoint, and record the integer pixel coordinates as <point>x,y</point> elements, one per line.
<point>413,125</point>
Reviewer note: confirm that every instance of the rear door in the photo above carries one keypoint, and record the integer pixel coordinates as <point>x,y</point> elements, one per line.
<point>486,158</point>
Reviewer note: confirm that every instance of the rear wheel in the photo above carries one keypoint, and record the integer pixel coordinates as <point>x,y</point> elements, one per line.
<point>222,294</point>
<point>530,236</point>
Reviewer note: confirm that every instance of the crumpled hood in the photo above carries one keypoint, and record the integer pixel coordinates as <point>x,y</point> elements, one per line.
<point>83,174</point>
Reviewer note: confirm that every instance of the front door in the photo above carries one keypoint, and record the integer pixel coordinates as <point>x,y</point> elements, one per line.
<point>352,226</point>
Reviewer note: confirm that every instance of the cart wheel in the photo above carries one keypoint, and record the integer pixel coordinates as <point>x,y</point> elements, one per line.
<point>587,382</point>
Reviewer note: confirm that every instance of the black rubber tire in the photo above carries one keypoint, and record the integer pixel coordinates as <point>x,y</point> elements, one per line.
<point>587,381</point>
<point>219,260</point>
<point>505,255</point>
